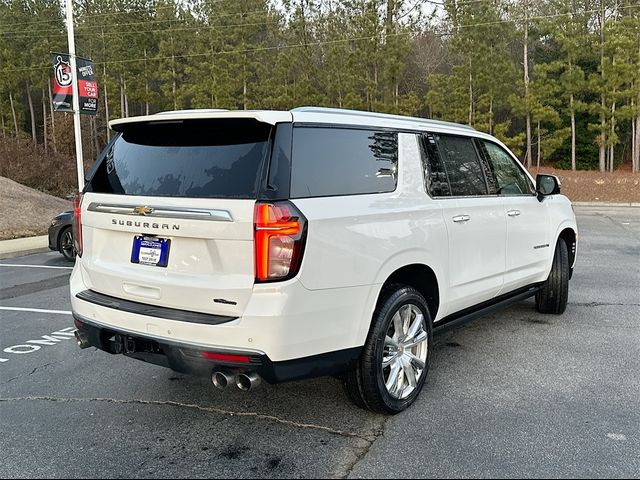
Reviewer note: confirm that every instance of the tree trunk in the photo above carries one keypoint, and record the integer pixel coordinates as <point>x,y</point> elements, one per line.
<point>53,122</point>
<point>106,103</point>
<point>126,98</point>
<point>44,122</point>
<point>106,96</point>
<point>573,135</point>
<point>526,84</point>
<point>244,83</point>
<point>633,144</point>
<point>174,86</point>
<point>470,96</point>
<point>603,122</point>
<point>92,153</point>
<point>146,85</point>
<point>637,142</point>
<point>34,137</point>
<point>121,98</point>
<point>491,119</point>
<point>13,112</point>
<point>539,148</point>
<point>613,132</point>
<point>94,136</point>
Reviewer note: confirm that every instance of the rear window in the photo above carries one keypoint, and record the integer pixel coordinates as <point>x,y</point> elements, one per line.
<point>339,161</point>
<point>220,158</point>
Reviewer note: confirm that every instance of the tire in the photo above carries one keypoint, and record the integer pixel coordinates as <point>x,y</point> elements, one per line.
<point>554,295</point>
<point>65,244</point>
<point>399,307</point>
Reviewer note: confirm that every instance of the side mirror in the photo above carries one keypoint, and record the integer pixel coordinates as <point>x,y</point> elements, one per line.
<point>547,185</point>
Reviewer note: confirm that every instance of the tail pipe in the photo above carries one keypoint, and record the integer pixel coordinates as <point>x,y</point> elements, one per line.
<point>247,381</point>
<point>221,379</point>
<point>81,339</point>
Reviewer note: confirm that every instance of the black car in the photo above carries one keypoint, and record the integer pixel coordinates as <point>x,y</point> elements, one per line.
<point>61,235</point>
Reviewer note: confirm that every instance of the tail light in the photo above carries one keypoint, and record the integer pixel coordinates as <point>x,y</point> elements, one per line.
<point>280,234</point>
<point>77,223</point>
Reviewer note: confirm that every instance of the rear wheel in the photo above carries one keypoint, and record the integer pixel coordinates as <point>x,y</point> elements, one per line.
<point>554,295</point>
<point>394,363</point>
<point>65,244</point>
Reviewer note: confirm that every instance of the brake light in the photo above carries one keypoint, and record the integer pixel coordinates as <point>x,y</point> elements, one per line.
<point>280,234</point>
<point>77,223</point>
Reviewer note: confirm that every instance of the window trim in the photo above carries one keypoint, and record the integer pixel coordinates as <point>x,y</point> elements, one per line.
<point>338,126</point>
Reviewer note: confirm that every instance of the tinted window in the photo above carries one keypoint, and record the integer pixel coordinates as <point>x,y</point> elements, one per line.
<point>462,165</point>
<point>437,182</point>
<point>332,161</point>
<point>510,178</point>
<point>195,158</point>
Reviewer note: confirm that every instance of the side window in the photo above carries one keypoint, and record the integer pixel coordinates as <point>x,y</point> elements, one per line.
<point>334,161</point>
<point>511,180</point>
<point>463,167</point>
<point>435,175</point>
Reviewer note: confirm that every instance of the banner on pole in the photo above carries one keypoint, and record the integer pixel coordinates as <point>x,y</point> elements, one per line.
<point>63,84</point>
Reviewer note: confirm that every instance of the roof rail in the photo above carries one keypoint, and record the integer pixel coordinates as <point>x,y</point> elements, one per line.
<point>203,110</point>
<point>362,113</point>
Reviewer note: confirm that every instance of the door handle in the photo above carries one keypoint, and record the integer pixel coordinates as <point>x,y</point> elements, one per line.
<point>513,213</point>
<point>461,218</point>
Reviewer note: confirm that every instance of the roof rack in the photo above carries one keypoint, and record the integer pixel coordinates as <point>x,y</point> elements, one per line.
<point>362,113</point>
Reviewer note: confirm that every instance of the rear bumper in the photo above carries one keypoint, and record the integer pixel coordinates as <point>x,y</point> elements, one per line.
<point>189,359</point>
<point>288,331</point>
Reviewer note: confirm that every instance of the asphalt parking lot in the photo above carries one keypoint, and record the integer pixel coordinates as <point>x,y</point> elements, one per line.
<point>515,394</point>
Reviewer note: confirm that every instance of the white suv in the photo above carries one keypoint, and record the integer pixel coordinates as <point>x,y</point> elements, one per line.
<point>248,245</point>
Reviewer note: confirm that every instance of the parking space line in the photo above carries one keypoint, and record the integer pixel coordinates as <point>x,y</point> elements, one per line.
<point>36,310</point>
<point>34,266</point>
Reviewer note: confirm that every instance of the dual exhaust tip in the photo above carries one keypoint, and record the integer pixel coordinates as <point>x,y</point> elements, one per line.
<point>221,379</point>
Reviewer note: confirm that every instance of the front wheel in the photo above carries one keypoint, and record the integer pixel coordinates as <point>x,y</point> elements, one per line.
<point>554,295</point>
<point>394,362</point>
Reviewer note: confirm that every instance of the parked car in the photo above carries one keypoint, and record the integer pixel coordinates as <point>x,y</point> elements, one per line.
<point>61,235</point>
<point>248,245</point>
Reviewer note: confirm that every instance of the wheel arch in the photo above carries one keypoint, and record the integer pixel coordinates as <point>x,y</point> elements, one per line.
<point>570,237</point>
<point>422,278</point>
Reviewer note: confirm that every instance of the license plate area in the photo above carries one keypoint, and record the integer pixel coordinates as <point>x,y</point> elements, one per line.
<point>152,251</point>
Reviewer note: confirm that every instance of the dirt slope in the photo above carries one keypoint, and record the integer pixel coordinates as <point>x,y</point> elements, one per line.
<point>26,212</point>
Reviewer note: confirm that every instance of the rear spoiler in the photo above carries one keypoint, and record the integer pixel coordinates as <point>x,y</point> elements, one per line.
<point>265,116</point>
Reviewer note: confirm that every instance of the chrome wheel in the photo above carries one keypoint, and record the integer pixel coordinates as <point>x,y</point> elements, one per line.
<point>66,245</point>
<point>405,351</point>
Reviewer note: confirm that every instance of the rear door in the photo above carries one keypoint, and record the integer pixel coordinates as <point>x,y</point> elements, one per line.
<point>474,219</point>
<point>168,213</point>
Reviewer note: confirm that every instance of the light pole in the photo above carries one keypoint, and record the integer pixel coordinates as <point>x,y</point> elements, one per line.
<point>75,95</point>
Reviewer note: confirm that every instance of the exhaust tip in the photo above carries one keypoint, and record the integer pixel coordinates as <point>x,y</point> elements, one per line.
<point>247,381</point>
<point>221,380</point>
<point>81,340</point>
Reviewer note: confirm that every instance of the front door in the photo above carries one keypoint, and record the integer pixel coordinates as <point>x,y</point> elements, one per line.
<point>527,219</point>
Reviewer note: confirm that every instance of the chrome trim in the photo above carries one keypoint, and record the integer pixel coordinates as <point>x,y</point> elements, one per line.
<point>161,339</point>
<point>164,212</point>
